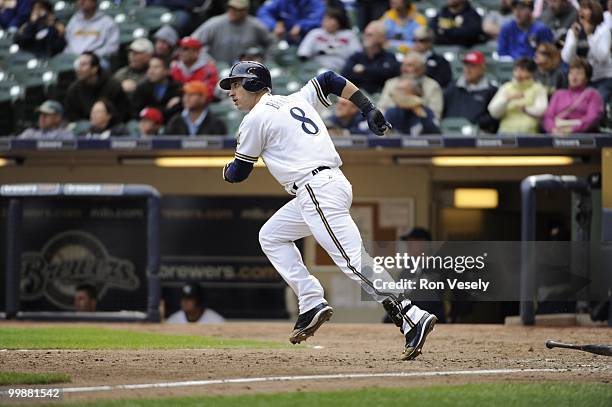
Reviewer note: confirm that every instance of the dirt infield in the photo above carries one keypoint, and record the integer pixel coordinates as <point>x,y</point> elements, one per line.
<point>336,349</point>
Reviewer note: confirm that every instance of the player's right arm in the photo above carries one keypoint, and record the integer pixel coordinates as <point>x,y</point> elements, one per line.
<point>331,83</point>
<point>250,145</point>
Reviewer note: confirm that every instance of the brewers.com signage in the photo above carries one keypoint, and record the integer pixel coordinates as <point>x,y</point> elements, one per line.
<point>209,240</point>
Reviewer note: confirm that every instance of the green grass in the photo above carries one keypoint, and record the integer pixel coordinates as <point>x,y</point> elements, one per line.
<point>501,394</point>
<point>7,378</point>
<point>105,338</point>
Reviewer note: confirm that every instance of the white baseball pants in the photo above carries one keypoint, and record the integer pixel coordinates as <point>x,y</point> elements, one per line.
<point>321,208</point>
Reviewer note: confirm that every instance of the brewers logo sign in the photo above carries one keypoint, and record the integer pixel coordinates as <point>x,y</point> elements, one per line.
<point>71,258</point>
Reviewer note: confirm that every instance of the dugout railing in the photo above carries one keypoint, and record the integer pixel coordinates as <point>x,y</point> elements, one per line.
<point>17,193</point>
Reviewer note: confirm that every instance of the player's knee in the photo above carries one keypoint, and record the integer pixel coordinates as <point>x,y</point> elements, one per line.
<point>264,238</point>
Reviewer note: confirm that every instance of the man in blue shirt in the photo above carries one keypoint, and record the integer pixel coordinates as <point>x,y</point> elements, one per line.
<point>291,19</point>
<point>370,68</point>
<point>521,36</point>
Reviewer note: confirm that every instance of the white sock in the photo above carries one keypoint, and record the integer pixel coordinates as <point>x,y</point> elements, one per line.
<point>414,313</point>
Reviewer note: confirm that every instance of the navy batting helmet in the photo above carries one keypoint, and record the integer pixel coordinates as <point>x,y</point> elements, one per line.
<point>254,75</point>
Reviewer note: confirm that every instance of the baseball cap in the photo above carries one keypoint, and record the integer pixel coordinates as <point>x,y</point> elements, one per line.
<point>525,3</point>
<point>167,34</point>
<point>190,42</point>
<point>142,45</point>
<point>191,291</point>
<point>474,58</point>
<point>151,113</point>
<point>239,4</point>
<point>51,107</point>
<point>196,87</point>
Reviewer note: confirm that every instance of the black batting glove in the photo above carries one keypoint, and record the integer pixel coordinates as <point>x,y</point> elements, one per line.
<point>377,122</point>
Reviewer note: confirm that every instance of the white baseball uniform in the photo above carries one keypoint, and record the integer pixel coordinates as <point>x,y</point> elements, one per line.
<point>290,136</point>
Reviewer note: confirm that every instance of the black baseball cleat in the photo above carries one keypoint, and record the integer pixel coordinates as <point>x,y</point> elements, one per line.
<point>308,322</point>
<point>415,338</point>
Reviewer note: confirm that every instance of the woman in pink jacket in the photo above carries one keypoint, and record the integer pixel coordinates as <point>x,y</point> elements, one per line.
<point>577,109</point>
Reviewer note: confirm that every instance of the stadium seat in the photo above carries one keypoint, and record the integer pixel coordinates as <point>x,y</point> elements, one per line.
<point>232,121</point>
<point>63,10</point>
<point>458,125</point>
<point>130,30</point>
<point>153,17</point>
<point>62,66</point>
<point>501,70</point>
<point>285,55</point>
<point>79,128</point>
<point>449,52</point>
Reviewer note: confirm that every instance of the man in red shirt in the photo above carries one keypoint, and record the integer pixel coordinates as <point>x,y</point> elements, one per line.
<point>194,65</point>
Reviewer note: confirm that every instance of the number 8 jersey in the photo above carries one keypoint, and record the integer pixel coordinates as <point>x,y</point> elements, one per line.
<point>288,133</point>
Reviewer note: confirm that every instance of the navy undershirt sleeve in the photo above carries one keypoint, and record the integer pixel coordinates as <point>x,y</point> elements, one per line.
<point>237,171</point>
<point>332,83</point>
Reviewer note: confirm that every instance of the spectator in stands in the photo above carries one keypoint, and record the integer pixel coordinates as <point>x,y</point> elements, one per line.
<point>410,116</point>
<point>346,120</point>
<point>494,20</point>
<point>577,109</point>
<point>608,15</point>
<point>182,10</point>
<point>549,73</point>
<point>50,123</point>
<point>229,34</point>
<point>193,309</point>
<point>370,68</point>
<point>195,119</point>
<point>437,67</point>
<point>92,84</point>
<point>158,90</point>
<point>195,65</point>
<point>520,103</point>
<point>140,52</point>
<point>470,96</point>
<point>91,30</point>
<point>85,298</point>
<point>150,123</point>
<point>370,10</point>
<point>42,34</point>
<point>400,21</point>
<point>590,37</point>
<point>104,121</point>
<point>414,65</point>
<point>291,20</point>
<point>520,37</point>
<point>166,39</point>
<point>559,16</point>
<point>14,13</point>
<point>332,44</point>
<point>457,23</point>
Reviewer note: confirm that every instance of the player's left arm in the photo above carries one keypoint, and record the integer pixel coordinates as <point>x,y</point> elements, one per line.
<point>330,82</point>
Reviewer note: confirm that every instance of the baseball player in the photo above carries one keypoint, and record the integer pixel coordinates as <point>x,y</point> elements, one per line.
<point>288,133</point>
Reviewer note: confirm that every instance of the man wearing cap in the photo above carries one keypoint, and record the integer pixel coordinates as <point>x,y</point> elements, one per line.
<point>470,96</point>
<point>50,123</point>
<point>195,119</point>
<point>91,30</point>
<point>229,34</point>
<point>165,41</point>
<point>140,52</point>
<point>193,309</point>
<point>521,36</point>
<point>194,65</point>
<point>158,90</point>
<point>291,20</point>
<point>438,68</point>
<point>457,23</point>
<point>151,121</point>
